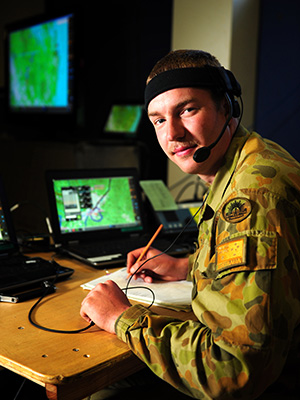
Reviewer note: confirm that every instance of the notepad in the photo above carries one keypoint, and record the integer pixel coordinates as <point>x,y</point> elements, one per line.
<point>173,295</point>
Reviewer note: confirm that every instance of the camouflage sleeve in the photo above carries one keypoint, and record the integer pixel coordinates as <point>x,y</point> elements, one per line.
<point>246,299</point>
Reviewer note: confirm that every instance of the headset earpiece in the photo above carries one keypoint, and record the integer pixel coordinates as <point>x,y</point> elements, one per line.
<point>236,110</point>
<point>231,86</point>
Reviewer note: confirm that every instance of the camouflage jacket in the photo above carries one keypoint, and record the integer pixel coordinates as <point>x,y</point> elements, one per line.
<point>246,292</point>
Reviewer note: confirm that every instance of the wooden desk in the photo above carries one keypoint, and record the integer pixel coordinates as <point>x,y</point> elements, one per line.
<point>70,366</point>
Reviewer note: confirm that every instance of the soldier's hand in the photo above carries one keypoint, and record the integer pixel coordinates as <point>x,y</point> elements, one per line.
<point>158,267</point>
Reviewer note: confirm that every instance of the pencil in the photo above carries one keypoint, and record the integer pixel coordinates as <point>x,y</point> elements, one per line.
<point>148,245</point>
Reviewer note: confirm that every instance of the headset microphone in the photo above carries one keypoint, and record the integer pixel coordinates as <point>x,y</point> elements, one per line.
<point>203,153</point>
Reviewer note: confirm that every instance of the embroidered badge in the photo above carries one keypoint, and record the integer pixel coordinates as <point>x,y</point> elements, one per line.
<point>231,253</point>
<point>236,210</point>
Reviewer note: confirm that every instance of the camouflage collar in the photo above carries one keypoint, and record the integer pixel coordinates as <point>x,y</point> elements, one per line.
<point>225,173</point>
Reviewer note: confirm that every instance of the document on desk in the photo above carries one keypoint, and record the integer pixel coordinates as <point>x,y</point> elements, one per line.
<point>172,295</point>
<point>159,195</point>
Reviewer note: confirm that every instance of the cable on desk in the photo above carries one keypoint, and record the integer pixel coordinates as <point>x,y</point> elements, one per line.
<point>50,329</point>
<point>141,287</point>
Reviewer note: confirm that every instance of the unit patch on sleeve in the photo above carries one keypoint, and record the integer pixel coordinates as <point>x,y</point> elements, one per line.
<point>232,253</point>
<point>236,210</point>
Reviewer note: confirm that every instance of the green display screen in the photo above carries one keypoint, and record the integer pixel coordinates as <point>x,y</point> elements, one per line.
<point>40,66</point>
<point>124,119</point>
<point>95,203</point>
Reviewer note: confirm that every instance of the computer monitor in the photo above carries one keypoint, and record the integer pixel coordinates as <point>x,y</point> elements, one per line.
<point>40,66</point>
<point>123,121</point>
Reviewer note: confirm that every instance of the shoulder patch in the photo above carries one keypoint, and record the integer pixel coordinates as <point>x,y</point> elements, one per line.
<point>236,210</point>
<point>232,253</point>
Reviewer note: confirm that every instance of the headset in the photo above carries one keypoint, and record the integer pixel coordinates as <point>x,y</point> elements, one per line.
<point>225,82</point>
<point>208,77</point>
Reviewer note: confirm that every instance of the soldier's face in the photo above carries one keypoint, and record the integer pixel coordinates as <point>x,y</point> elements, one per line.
<point>186,119</point>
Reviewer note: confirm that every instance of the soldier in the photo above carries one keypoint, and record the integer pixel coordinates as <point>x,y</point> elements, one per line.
<point>245,271</point>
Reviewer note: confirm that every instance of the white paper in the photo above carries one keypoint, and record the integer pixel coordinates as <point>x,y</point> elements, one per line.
<point>174,295</point>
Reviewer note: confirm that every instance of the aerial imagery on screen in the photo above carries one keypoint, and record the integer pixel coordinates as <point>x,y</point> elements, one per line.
<point>85,204</point>
<point>38,65</point>
<point>124,119</point>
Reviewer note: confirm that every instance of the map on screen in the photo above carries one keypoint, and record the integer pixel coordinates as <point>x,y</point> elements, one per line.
<point>38,65</point>
<point>86,204</point>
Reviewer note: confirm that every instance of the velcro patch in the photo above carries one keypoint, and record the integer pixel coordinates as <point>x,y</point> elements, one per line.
<point>231,253</point>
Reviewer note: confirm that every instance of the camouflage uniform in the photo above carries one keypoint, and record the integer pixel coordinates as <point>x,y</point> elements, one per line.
<point>246,292</point>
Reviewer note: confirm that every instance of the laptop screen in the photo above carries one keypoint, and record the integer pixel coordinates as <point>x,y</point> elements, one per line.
<point>8,241</point>
<point>4,235</point>
<point>94,202</point>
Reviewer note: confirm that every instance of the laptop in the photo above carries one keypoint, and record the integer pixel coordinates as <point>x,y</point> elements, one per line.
<point>97,215</point>
<point>18,272</point>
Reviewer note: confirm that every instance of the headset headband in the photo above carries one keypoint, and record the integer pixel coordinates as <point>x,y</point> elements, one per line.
<point>207,77</point>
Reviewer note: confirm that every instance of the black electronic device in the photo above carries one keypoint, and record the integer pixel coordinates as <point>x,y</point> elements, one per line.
<point>19,273</point>
<point>166,212</point>
<point>175,220</point>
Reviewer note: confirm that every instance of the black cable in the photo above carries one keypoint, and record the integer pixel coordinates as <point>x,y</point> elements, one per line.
<point>50,329</point>
<point>182,180</point>
<point>183,189</point>
<point>50,285</point>
<point>77,330</point>
<point>142,287</point>
<point>166,250</point>
<point>20,388</point>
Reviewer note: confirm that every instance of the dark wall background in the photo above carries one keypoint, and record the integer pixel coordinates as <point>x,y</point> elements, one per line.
<point>118,43</point>
<point>278,87</point>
